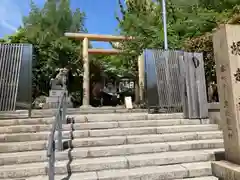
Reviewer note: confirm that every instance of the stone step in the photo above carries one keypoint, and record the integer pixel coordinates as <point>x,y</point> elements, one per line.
<point>99,164</point>
<point>74,177</point>
<point>128,149</point>
<point>27,121</point>
<point>125,117</point>
<point>39,132</point>
<point>98,125</point>
<point>38,136</point>
<point>29,157</point>
<point>41,145</point>
<point>151,123</point>
<point>133,161</point>
<point>108,132</point>
<point>92,118</point>
<point>158,172</point>
<point>106,141</point>
<point>25,170</point>
<point>39,156</point>
<point>23,146</point>
<point>149,138</point>
<point>91,176</point>
<point>46,123</point>
<point>135,123</point>
<point>70,111</point>
<point>167,172</point>
<point>200,178</point>
<point>85,140</point>
<point>147,130</point>
<point>30,128</point>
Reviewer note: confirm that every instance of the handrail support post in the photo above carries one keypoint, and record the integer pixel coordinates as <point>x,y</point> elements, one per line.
<point>51,164</point>
<point>59,122</point>
<point>64,110</point>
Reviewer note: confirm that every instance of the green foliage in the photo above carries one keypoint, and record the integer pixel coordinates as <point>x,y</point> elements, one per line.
<point>116,66</point>
<point>203,43</point>
<point>2,41</point>
<point>45,28</point>
<point>188,22</point>
<point>219,5</point>
<point>141,21</point>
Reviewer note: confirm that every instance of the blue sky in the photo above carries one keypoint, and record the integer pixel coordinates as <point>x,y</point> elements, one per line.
<point>100,16</point>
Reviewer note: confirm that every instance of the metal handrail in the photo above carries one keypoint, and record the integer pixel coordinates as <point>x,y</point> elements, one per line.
<point>60,118</point>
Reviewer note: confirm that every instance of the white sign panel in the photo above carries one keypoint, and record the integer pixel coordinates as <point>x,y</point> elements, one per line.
<point>128,102</point>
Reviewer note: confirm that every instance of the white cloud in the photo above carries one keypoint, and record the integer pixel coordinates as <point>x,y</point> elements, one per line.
<point>7,25</point>
<point>11,13</point>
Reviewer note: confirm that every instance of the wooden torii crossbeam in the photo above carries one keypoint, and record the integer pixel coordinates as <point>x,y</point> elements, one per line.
<point>86,51</point>
<point>104,51</point>
<point>97,37</point>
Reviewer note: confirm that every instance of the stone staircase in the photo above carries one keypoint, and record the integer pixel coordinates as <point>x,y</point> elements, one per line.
<point>130,146</point>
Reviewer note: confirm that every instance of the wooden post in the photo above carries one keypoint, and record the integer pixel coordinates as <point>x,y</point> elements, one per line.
<point>227,55</point>
<point>141,74</point>
<point>86,78</point>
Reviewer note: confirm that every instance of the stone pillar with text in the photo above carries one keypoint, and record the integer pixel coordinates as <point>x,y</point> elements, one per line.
<point>226,43</point>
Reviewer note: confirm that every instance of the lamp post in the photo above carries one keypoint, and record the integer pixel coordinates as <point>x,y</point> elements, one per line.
<point>164,24</point>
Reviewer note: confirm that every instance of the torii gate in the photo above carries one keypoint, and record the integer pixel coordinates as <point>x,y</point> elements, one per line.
<point>86,51</point>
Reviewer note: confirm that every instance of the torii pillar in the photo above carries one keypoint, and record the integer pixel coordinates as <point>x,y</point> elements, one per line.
<point>86,51</point>
<point>141,77</point>
<point>86,74</point>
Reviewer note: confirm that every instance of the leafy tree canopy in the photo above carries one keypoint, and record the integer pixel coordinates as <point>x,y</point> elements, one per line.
<point>188,23</point>
<point>45,28</point>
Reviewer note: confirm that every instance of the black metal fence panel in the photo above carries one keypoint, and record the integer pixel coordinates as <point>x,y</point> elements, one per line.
<point>163,80</point>
<point>175,82</point>
<point>151,87</point>
<point>15,76</point>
